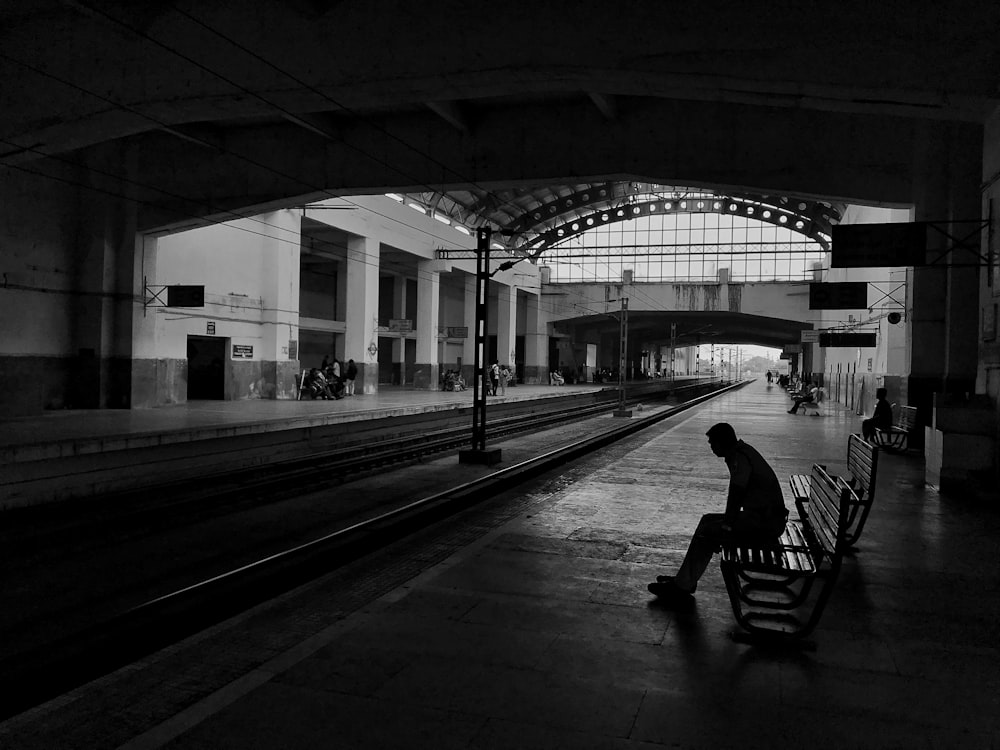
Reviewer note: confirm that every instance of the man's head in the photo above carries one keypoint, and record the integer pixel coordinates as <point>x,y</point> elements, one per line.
<point>721,437</point>
<point>881,393</point>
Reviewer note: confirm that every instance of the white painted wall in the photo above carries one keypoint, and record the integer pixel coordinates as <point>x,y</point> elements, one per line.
<point>237,263</point>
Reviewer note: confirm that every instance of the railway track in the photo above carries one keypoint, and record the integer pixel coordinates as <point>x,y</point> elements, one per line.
<point>97,643</point>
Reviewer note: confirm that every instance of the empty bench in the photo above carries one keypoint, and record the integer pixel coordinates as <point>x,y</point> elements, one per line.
<point>779,591</point>
<point>862,467</point>
<point>896,437</point>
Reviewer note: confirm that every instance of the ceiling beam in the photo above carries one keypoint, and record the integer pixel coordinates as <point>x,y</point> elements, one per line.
<point>606,104</point>
<point>454,113</point>
<point>321,125</point>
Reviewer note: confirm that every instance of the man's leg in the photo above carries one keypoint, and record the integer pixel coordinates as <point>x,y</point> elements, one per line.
<point>704,544</point>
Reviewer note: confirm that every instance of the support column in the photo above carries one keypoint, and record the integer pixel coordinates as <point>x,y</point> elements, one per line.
<point>428,304</point>
<point>399,339</point>
<point>536,342</point>
<point>506,324</point>
<point>155,380</point>
<point>943,315</point>
<point>469,320</point>
<point>280,316</point>
<point>361,334</point>
<point>942,325</point>
<point>106,308</point>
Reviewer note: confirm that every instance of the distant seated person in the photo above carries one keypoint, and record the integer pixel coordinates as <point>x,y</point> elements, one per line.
<point>459,381</point>
<point>881,419</point>
<point>806,396</point>
<point>316,385</point>
<point>556,378</point>
<point>334,382</point>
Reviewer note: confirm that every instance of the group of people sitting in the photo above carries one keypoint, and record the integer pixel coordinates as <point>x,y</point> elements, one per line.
<point>330,381</point>
<point>453,381</point>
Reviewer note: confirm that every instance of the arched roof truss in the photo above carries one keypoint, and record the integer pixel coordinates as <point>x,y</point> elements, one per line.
<point>528,221</point>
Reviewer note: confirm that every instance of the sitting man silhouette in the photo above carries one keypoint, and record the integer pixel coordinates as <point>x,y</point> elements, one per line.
<point>755,512</point>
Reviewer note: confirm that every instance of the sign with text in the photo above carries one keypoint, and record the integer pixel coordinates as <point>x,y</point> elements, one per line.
<point>843,295</point>
<point>185,296</point>
<point>242,351</point>
<point>810,337</point>
<point>400,325</point>
<point>457,332</point>
<point>868,245</point>
<point>210,328</point>
<point>847,339</point>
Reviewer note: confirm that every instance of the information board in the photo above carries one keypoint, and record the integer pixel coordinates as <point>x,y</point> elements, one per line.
<point>848,339</point>
<point>185,296</point>
<point>400,325</point>
<point>876,245</point>
<point>843,295</point>
<point>242,351</point>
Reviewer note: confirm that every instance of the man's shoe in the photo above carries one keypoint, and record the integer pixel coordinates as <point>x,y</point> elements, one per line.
<point>667,589</point>
<point>791,411</point>
<point>672,580</point>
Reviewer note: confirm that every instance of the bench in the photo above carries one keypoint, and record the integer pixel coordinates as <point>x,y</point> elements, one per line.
<point>779,591</point>
<point>862,467</point>
<point>896,437</point>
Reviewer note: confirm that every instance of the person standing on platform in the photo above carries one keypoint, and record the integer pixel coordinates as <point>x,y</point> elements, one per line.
<point>755,512</point>
<point>504,379</point>
<point>495,376</point>
<point>881,419</point>
<point>770,378</point>
<point>349,376</point>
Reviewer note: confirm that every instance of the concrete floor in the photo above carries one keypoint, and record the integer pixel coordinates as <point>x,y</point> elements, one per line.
<point>526,624</point>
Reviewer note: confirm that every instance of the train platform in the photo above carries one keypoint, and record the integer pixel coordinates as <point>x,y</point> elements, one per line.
<point>72,454</point>
<point>75,432</point>
<point>525,623</point>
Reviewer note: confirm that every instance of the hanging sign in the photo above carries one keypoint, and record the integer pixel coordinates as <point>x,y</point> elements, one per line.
<point>400,325</point>
<point>847,339</point>
<point>870,245</point>
<point>185,296</point>
<point>845,295</point>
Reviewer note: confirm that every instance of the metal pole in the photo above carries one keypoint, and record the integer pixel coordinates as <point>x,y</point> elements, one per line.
<point>478,453</point>
<point>479,361</point>
<point>621,411</point>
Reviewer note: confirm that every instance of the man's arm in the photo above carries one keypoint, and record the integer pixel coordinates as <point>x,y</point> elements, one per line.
<point>739,480</point>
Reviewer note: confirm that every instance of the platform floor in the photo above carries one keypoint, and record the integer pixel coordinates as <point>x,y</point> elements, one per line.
<point>526,624</point>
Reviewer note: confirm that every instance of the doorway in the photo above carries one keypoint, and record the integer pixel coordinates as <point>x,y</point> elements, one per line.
<point>206,358</point>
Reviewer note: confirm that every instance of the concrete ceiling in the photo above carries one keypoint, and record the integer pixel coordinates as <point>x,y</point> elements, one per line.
<point>204,109</point>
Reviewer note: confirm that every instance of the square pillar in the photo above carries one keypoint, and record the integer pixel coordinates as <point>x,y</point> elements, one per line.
<point>280,261</point>
<point>469,320</point>
<point>536,342</point>
<point>428,304</point>
<point>399,339</point>
<point>361,332</point>
<point>506,324</point>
